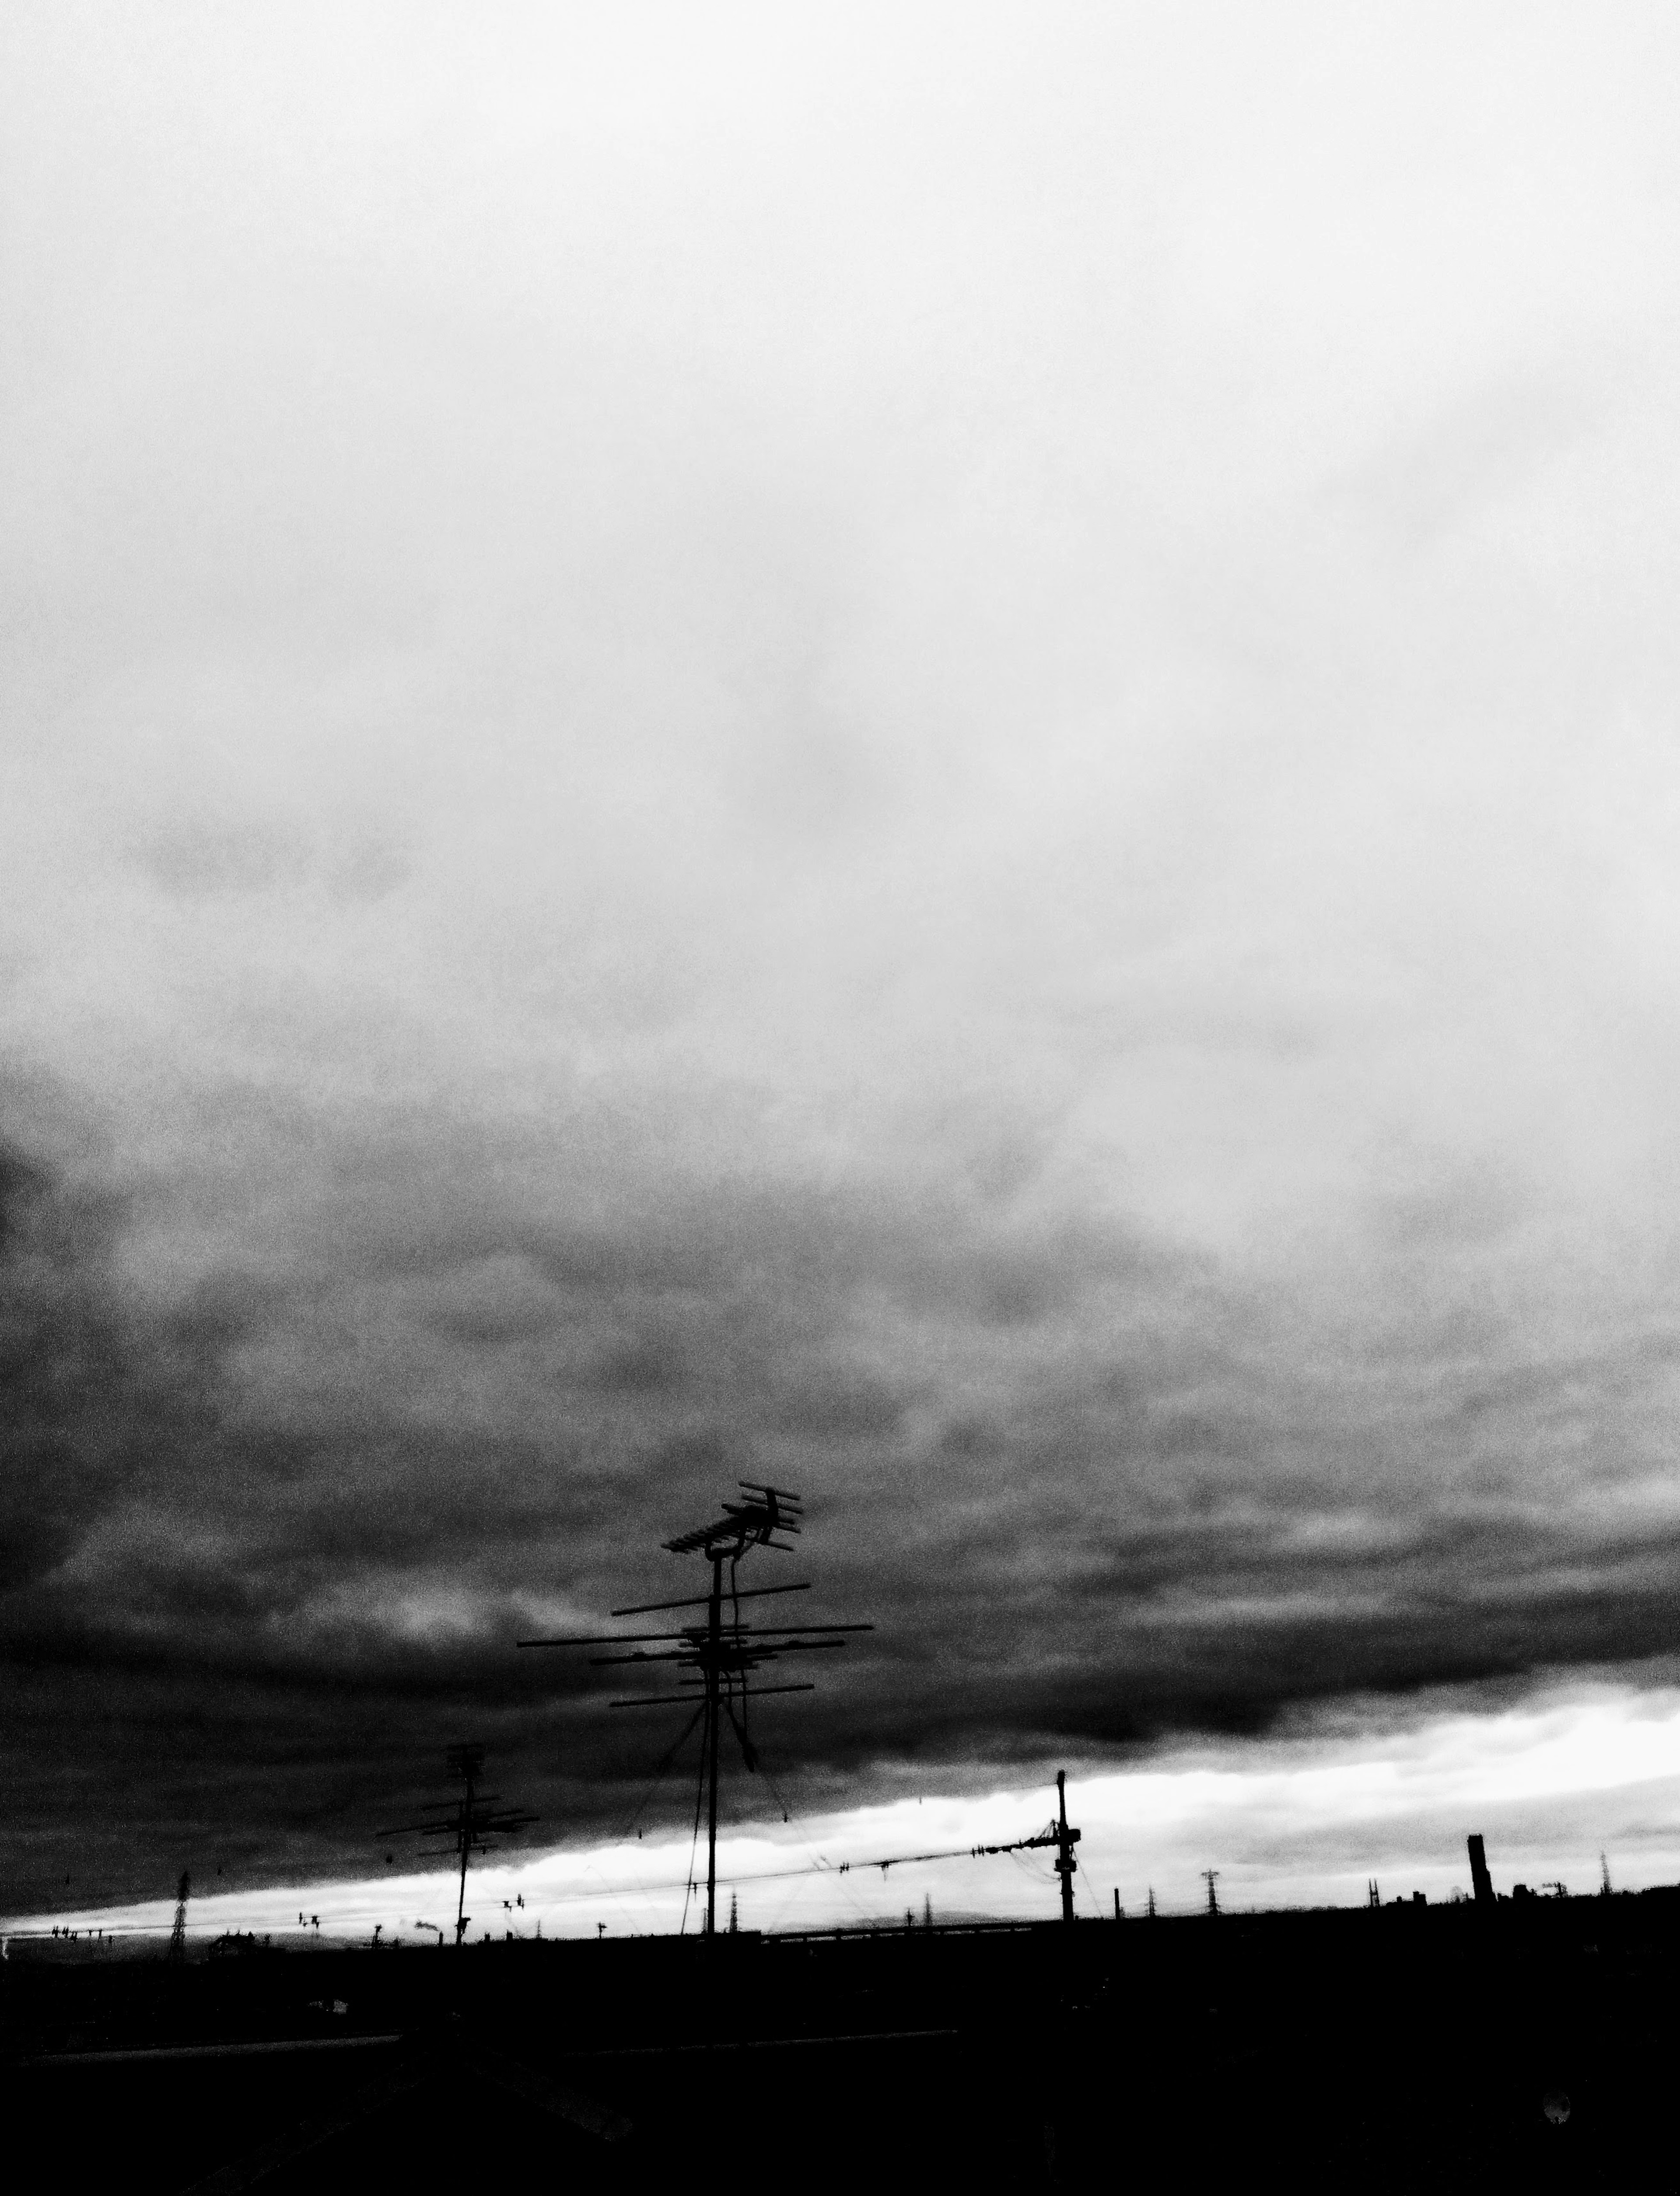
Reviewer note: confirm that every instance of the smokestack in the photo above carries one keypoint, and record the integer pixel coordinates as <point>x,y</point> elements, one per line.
<point>1479,1876</point>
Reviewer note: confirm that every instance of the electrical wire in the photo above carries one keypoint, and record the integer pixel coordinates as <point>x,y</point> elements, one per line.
<point>818,1866</point>
<point>670,1756</point>
<point>693,1843</point>
<point>1096,1899</point>
<point>819,1863</point>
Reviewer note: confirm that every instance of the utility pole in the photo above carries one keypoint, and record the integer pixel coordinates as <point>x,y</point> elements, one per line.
<point>1065,1841</point>
<point>1210,1876</point>
<point>1058,1835</point>
<point>1152,1902</point>
<point>177,1936</point>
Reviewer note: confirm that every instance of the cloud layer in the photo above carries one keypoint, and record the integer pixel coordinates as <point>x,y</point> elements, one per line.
<point>280,1533</point>
<point>937,761</point>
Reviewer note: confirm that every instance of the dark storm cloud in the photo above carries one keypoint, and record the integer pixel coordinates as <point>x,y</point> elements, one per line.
<point>60,1350</point>
<point>275,1535</point>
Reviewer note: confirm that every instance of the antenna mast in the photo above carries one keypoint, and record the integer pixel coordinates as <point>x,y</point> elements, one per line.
<point>720,1654</point>
<point>475,1819</point>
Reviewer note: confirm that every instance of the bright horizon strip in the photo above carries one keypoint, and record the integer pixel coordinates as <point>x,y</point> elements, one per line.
<point>1299,1821</point>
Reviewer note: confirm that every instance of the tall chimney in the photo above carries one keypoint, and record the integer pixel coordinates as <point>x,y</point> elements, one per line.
<point>1479,1876</point>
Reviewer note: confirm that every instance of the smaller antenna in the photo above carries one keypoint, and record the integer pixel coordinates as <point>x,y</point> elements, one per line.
<point>474,1820</point>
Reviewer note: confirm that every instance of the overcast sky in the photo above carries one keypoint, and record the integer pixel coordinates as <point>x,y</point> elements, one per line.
<point>925,750</point>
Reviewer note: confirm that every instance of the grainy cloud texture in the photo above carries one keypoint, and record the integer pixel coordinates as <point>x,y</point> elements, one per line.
<point>932,753</point>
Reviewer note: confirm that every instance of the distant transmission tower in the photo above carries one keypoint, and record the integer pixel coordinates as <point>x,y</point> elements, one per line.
<point>177,1936</point>
<point>475,1819</point>
<point>1210,1876</point>
<point>721,1655</point>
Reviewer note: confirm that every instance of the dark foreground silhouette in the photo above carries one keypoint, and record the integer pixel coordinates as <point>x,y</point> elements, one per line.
<point>1529,2046</point>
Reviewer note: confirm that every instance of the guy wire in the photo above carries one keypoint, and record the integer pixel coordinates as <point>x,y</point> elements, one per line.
<point>694,1842</point>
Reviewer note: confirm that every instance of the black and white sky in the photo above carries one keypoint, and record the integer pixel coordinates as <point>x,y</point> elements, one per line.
<point>926,750</point>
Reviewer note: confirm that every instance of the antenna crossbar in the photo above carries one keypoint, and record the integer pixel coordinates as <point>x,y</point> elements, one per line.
<point>698,1634</point>
<point>681,1699</point>
<point>699,1601</point>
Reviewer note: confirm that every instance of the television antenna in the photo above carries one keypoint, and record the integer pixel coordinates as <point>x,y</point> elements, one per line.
<point>474,1819</point>
<point>714,1659</point>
